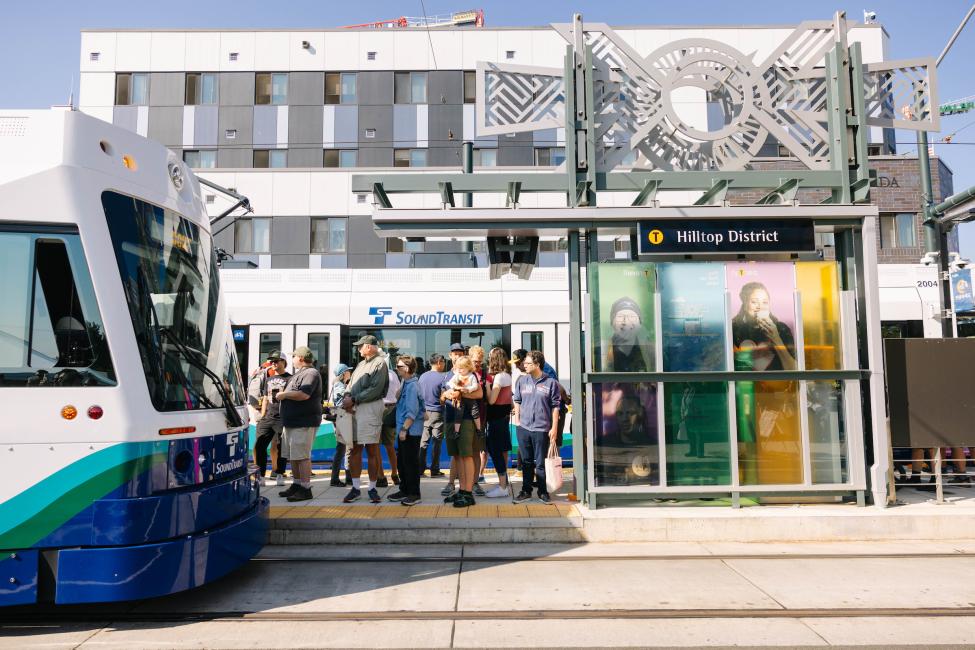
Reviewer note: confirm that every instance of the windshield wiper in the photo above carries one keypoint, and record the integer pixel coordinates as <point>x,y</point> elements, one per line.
<point>233,417</point>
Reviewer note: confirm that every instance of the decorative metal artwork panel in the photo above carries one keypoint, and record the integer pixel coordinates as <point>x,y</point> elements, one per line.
<point>639,117</point>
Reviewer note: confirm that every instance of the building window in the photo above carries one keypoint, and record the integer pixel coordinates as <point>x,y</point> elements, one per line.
<point>201,88</point>
<point>560,245</point>
<point>270,158</point>
<point>397,245</point>
<point>485,157</point>
<point>549,156</point>
<point>132,89</point>
<point>410,87</point>
<point>271,88</point>
<point>252,235</point>
<point>340,158</point>
<point>897,230</point>
<point>470,87</point>
<point>340,88</point>
<point>409,157</point>
<point>328,235</point>
<point>200,158</point>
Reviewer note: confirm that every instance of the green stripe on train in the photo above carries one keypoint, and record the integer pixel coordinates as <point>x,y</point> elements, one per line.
<point>35,513</point>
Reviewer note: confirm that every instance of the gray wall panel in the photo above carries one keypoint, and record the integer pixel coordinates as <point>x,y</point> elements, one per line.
<point>126,117</point>
<point>444,156</point>
<point>546,138</point>
<point>375,157</point>
<point>369,261</point>
<point>166,125</point>
<point>205,126</point>
<point>346,126</point>
<point>375,88</point>
<point>289,261</point>
<point>305,157</point>
<point>236,88</point>
<point>167,88</point>
<point>305,126</point>
<point>444,122</point>
<point>265,126</point>
<point>306,89</point>
<point>379,118</point>
<point>516,151</point>
<point>334,262</point>
<point>224,239</point>
<point>241,158</point>
<point>404,126</point>
<point>291,235</point>
<point>240,118</point>
<point>445,87</point>
<point>361,238</point>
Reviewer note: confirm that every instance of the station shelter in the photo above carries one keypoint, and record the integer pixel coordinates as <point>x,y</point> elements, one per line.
<point>736,351</point>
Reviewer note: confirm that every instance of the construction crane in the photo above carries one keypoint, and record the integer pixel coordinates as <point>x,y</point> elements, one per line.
<point>473,17</point>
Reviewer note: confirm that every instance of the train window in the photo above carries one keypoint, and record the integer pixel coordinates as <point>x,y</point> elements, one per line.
<point>270,342</point>
<point>169,274</point>
<point>51,333</point>
<point>531,341</point>
<point>318,342</point>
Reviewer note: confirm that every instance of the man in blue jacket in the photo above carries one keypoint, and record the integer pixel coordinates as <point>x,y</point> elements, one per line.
<point>536,398</point>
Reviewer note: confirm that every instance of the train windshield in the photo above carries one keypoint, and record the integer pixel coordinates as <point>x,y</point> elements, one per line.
<point>169,273</point>
<point>51,333</point>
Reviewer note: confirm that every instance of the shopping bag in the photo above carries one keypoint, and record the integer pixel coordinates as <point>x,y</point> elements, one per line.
<point>553,472</point>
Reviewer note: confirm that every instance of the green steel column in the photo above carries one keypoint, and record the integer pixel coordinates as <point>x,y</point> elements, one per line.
<point>467,160</point>
<point>935,239</point>
<point>576,365</point>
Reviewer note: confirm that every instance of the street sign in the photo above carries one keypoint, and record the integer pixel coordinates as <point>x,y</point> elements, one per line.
<point>727,236</point>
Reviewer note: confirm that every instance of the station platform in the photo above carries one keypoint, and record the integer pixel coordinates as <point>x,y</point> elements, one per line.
<point>326,520</point>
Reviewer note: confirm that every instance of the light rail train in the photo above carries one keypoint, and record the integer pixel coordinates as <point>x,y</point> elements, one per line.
<point>125,441</point>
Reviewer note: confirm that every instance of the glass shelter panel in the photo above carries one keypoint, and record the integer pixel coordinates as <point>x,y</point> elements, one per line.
<point>623,317</point>
<point>692,304</point>
<point>819,295</point>
<point>828,450</point>
<point>763,327</point>
<point>626,441</point>
<point>697,433</point>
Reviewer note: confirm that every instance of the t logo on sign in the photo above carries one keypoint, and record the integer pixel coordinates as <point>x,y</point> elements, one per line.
<point>655,236</point>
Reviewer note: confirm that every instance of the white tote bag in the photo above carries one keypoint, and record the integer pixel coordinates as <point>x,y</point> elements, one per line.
<point>553,470</point>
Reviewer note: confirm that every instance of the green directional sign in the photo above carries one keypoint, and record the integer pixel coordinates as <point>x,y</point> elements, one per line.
<point>956,107</point>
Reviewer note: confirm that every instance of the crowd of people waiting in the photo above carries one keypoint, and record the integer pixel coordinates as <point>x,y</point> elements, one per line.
<point>388,404</point>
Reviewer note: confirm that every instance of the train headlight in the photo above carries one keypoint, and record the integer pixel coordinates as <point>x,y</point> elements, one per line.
<point>95,412</point>
<point>69,412</point>
<point>176,175</point>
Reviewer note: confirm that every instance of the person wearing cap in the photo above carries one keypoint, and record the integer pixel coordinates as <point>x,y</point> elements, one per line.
<point>301,415</point>
<point>630,348</point>
<point>342,374</point>
<point>429,385</point>
<point>269,420</point>
<point>364,401</point>
<point>461,446</point>
<point>456,351</point>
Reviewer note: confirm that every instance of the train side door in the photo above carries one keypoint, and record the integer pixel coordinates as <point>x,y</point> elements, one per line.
<point>324,341</point>
<point>537,336</point>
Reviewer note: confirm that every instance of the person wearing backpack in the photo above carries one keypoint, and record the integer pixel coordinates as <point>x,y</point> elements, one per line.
<point>409,432</point>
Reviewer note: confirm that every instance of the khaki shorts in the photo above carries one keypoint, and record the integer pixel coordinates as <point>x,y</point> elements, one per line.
<point>296,442</point>
<point>462,445</point>
<point>367,423</point>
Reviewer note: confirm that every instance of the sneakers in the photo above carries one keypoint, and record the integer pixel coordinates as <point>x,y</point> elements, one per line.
<point>353,495</point>
<point>544,497</point>
<point>291,490</point>
<point>279,479</point>
<point>382,482</point>
<point>410,501</point>
<point>301,494</point>
<point>396,496</point>
<point>478,490</point>
<point>395,479</point>
<point>464,499</point>
<point>522,496</point>
<point>480,479</point>
<point>496,492</point>
<point>374,496</point>
<point>447,490</point>
<point>436,474</point>
<point>337,482</point>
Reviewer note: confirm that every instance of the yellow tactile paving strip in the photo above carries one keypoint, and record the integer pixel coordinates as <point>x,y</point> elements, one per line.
<point>520,511</point>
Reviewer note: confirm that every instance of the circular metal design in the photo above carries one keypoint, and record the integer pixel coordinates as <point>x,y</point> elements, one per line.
<point>176,175</point>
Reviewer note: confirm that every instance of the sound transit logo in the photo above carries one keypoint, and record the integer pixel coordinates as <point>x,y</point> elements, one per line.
<point>380,314</point>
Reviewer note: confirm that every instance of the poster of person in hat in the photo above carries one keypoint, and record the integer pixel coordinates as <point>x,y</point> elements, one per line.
<point>624,313</point>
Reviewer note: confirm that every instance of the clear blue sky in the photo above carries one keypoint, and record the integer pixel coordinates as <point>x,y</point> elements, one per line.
<point>40,40</point>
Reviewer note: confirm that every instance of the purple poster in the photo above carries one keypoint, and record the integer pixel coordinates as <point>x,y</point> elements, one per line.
<point>763,308</point>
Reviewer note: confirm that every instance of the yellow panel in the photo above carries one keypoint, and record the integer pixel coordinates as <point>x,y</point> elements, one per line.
<point>450,511</point>
<point>543,511</point>
<point>567,510</point>
<point>422,512</point>
<point>302,512</point>
<point>772,453</point>
<point>818,286</point>
<point>390,512</point>
<point>276,511</point>
<point>489,512</point>
<point>361,512</point>
<point>332,512</point>
<point>513,511</point>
